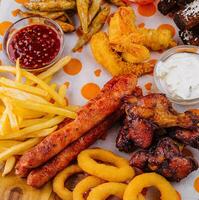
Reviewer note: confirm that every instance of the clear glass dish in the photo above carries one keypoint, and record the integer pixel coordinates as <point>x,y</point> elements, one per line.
<point>159,83</point>
<point>24,22</point>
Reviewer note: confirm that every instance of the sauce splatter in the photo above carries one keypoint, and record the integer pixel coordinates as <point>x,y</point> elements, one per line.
<point>67,84</point>
<point>21,1</point>
<point>147,10</point>
<point>97,72</point>
<point>1,47</point>
<point>90,90</point>
<point>141,25</point>
<point>168,27</point>
<point>196,184</point>
<point>73,67</point>
<point>4,27</point>
<point>15,12</point>
<point>179,196</point>
<point>148,86</point>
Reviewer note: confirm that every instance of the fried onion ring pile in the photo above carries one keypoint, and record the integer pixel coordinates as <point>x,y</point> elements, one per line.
<point>118,171</point>
<point>142,181</point>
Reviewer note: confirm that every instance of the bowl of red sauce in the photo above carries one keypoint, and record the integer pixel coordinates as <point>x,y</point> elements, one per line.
<point>37,41</point>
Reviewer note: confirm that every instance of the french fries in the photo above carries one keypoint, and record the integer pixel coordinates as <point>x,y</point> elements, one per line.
<point>18,148</point>
<point>31,108</point>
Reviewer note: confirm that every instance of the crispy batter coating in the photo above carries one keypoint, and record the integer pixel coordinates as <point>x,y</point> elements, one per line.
<point>165,159</point>
<point>110,60</point>
<point>124,32</point>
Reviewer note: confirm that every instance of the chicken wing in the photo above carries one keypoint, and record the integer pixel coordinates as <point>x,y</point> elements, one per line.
<point>146,114</point>
<point>165,159</point>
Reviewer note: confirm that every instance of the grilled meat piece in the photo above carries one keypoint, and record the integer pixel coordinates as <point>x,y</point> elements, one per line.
<point>94,112</point>
<point>135,133</point>
<point>165,159</point>
<point>167,6</point>
<point>186,136</point>
<point>188,17</point>
<point>146,114</point>
<point>158,110</point>
<point>189,37</point>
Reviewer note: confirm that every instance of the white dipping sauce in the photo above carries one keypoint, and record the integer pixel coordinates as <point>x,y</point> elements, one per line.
<point>180,75</point>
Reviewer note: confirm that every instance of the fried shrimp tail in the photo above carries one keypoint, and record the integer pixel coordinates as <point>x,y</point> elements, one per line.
<point>95,26</point>
<point>50,5</point>
<point>94,112</point>
<point>110,60</point>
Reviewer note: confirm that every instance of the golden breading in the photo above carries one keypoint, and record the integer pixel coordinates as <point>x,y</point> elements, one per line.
<point>111,61</point>
<point>124,32</point>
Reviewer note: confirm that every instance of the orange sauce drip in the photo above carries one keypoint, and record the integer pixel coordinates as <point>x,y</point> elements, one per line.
<point>90,90</point>
<point>168,27</point>
<point>22,1</point>
<point>148,86</point>
<point>141,25</point>
<point>97,72</point>
<point>15,12</point>
<point>147,10</point>
<point>73,67</point>
<point>1,47</point>
<point>67,84</point>
<point>4,26</point>
<point>179,196</point>
<point>196,184</point>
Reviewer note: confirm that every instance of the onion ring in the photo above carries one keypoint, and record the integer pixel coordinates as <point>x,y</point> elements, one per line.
<point>142,181</point>
<point>58,182</point>
<point>84,186</point>
<point>119,171</point>
<point>105,190</point>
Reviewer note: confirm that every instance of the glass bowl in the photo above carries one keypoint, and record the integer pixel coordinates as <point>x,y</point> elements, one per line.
<point>159,83</point>
<point>25,22</point>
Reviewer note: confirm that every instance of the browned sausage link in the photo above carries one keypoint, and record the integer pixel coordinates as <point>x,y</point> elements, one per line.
<point>94,112</point>
<point>38,177</point>
<point>21,170</point>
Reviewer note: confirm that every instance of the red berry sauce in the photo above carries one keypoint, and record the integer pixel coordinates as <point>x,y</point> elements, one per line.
<point>36,45</point>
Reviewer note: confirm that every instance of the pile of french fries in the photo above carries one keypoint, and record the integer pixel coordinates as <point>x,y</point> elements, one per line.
<point>30,109</point>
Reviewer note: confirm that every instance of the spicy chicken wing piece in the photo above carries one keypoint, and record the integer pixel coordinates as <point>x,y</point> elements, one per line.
<point>146,114</point>
<point>158,109</point>
<point>186,136</point>
<point>94,112</point>
<point>165,159</point>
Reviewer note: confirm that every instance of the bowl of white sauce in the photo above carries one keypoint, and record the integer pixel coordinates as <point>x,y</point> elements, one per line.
<point>176,74</point>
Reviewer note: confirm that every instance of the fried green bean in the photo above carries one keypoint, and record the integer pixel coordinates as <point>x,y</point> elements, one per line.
<point>93,10</point>
<point>52,15</point>
<point>50,5</point>
<point>82,9</point>
<point>66,27</point>
<point>95,26</point>
<point>117,2</point>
